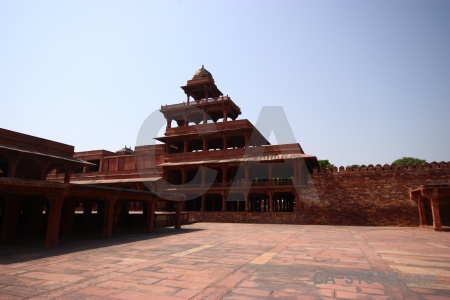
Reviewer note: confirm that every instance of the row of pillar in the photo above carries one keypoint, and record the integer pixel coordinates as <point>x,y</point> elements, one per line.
<point>184,170</point>
<point>205,115</point>
<point>59,205</point>
<point>297,205</point>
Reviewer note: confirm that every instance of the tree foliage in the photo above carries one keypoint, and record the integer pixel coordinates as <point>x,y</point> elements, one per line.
<point>324,163</point>
<point>408,160</point>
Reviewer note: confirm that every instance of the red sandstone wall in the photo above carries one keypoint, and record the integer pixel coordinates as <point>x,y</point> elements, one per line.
<point>363,196</point>
<point>368,195</point>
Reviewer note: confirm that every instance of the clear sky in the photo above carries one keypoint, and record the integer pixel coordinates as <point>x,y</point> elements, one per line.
<point>361,82</point>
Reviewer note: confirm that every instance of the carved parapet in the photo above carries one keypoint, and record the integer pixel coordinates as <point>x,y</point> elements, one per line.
<point>426,166</point>
<point>363,168</point>
<point>334,169</point>
<point>378,167</point>
<point>411,166</point>
<point>386,167</point>
<point>370,168</point>
<point>348,169</point>
<point>434,165</point>
<point>341,169</point>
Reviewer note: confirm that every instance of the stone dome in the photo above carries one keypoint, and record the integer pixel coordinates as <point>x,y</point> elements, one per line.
<point>200,73</point>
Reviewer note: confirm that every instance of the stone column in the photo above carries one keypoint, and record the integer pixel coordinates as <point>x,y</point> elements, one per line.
<point>151,207</point>
<point>422,215</point>
<point>185,146</point>
<point>436,217</point>
<point>205,119</point>
<point>225,115</point>
<point>246,140</point>
<point>108,221</point>
<point>67,175</point>
<point>178,215</point>
<point>54,220</point>
<point>225,143</point>
<point>205,144</point>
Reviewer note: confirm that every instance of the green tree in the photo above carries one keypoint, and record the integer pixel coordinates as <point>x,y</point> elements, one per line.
<point>409,160</point>
<point>324,163</point>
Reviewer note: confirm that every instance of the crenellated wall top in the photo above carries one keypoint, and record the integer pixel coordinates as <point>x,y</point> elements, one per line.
<point>384,168</point>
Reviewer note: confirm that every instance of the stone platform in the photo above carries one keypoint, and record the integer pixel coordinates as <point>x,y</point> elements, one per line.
<point>234,261</point>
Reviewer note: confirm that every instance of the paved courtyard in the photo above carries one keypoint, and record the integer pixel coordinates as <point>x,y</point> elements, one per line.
<point>235,261</point>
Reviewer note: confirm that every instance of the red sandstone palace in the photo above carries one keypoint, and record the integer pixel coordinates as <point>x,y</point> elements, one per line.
<point>211,166</point>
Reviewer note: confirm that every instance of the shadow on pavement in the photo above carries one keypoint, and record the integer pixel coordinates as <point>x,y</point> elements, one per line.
<point>23,250</point>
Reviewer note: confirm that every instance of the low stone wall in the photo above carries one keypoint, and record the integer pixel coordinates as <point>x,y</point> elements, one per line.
<point>247,217</point>
<point>372,196</point>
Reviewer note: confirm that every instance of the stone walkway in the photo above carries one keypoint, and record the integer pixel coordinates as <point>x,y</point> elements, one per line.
<point>235,261</point>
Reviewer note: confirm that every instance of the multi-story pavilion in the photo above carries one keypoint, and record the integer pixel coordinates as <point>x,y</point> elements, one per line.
<point>224,164</point>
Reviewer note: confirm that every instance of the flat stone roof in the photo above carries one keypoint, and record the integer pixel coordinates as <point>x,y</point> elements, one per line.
<point>234,261</point>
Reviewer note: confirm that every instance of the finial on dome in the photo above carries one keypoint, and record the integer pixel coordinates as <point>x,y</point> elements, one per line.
<point>203,67</point>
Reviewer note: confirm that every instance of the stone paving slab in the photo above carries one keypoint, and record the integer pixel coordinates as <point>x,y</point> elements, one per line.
<point>235,261</point>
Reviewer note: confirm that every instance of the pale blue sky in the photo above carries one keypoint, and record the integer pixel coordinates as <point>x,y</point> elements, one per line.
<point>362,82</point>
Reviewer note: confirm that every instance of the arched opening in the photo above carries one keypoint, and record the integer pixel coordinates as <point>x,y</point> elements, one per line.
<point>125,217</point>
<point>194,204</point>
<point>282,174</point>
<point>194,118</point>
<point>258,202</point>
<point>259,174</point>
<point>234,142</point>
<point>235,202</point>
<point>235,174</point>
<point>195,146</point>
<point>215,144</point>
<point>89,216</point>
<point>29,169</point>
<point>283,202</point>
<point>213,202</point>
<point>214,176</point>
<point>33,215</point>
